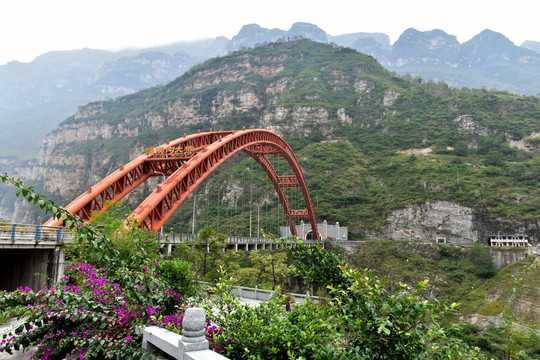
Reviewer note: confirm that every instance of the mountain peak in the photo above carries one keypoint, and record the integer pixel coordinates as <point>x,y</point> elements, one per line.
<point>250,29</point>
<point>492,47</point>
<point>490,38</point>
<point>309,31</point>
<point>424,43</point>
<point>531,45</point>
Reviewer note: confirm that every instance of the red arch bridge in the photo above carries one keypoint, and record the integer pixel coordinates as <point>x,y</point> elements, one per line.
<point>186,162</point>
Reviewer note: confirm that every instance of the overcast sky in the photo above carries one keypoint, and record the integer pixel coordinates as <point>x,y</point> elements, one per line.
<point>32,27</point>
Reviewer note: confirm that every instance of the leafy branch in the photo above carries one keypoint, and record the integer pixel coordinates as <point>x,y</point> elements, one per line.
<point>85,232</point>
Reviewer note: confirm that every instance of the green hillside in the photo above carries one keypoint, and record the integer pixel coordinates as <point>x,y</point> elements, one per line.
<point>502,306</point>
<point>370,141</point>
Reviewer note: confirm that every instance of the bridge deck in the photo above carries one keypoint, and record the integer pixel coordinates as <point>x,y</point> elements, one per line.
<point>18,236</point>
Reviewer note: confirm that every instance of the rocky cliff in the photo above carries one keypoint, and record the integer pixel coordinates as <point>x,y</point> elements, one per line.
<point>447,222</point>
<point>57,82</point>
<point>352,123</point>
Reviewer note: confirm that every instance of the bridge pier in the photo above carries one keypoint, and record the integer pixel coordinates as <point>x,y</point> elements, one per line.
<point>34,268</point>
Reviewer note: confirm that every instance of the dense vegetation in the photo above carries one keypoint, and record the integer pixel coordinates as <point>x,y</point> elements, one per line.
<point>369,314</point>
<point>114,284</point>
<point>464,275</point>
<point>358,169</point>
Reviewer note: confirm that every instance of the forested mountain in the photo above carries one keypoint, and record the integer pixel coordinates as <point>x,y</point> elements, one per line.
<point>377,149</point>
<point>38,95</point>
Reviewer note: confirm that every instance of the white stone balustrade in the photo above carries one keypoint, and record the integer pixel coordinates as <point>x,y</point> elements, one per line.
<point>191,345</point>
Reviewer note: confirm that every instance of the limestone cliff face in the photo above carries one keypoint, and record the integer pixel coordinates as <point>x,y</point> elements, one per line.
<point>71,158</point>
<point>301,120</point>
<point>440,219</point>
<point>293,90</point>
<point>448,222</point>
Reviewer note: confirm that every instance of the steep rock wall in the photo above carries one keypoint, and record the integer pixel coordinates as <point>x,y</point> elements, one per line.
<point>448,222</point>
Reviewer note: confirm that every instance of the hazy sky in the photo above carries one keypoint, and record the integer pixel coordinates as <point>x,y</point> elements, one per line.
<point>32,27</point>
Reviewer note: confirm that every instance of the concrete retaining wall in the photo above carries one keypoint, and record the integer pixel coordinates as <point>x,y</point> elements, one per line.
<point>29,267</point>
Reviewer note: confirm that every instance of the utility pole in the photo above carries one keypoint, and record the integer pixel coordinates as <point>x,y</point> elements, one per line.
<point>193,218</point>
<point>217,226</point>
<point>258,220</point>
<point>161,229</point>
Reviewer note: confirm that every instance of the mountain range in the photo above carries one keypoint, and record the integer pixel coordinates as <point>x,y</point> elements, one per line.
<point>390,156</point>
<point>37,96</point>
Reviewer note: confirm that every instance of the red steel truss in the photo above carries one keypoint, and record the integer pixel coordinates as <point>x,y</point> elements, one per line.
<point>186,162</point>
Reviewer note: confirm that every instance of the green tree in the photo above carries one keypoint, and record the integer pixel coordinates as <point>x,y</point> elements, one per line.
<point>203,252</point>
<point>271,267</point>
<point>494,158</point>
<point>178,274</point>
<point>482,263</point>
<point>461,148</point>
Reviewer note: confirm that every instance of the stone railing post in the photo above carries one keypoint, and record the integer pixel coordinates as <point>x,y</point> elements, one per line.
<point>193,338</point>
<point>191,345</point>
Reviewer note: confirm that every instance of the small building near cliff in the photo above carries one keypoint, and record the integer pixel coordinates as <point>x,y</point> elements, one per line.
<point>326,231</point>
<point>515,240</point>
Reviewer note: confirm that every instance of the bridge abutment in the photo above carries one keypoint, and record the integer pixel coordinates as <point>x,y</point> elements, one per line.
<point>34,268</point>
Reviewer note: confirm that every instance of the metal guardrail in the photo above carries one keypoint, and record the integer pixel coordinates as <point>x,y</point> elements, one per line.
<point>247,240</point>
<point>27,235</point>
<point>265,295</point>
<point>173,238</point>
<point>24,235</point>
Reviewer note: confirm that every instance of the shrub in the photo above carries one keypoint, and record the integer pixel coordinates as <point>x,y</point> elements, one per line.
<point>482,262</point>
<point>269,331</point>
<point>178,275</point>
<point>378,322</point>
<point>83,316</point>
<point>92,312</point>
<point>364,318</point>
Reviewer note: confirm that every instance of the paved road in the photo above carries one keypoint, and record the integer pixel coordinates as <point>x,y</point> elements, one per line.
<point>250,302</point>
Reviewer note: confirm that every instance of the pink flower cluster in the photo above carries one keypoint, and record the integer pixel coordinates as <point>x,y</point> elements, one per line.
<point>84,316</point>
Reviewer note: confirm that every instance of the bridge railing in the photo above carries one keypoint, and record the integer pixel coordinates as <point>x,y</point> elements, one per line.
<point>59,234</point>
<point>247,240</point>
<point>22,233</point>
<point>173,238</point>
<point>262,294</point>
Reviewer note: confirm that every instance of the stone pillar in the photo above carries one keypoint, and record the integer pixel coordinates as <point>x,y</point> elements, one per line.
<point>58,265</point>
<point>193,338</point>
<point>191,345</point>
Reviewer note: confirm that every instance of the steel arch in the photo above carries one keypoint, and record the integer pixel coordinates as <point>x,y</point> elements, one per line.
<point>185,173</point>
